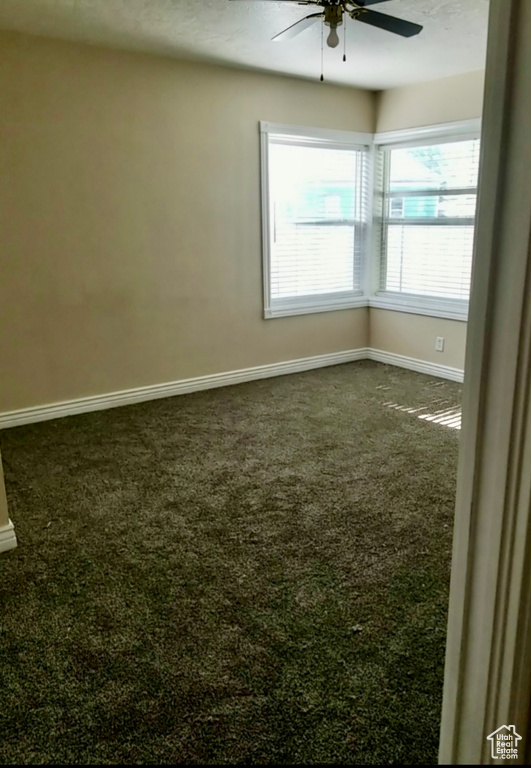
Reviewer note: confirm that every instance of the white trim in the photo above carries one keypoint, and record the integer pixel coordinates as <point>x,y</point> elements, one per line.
<point>38,413</point>
<point>326,135</point>
<point>154,392</point>
<point>367,259</point>
<point>265,213</point>
<point>412,364</point>
<point>390,302</point>
<point>8,540</point>
<point>420,306</point>
<point>441,131</point>
<point>458,128</point>
<point>321,304</point>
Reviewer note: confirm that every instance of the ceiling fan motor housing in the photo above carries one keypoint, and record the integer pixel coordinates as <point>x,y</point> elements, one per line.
<point>333,15</point>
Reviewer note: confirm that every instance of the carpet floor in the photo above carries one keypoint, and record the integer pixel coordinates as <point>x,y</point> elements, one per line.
<point>254,574</point>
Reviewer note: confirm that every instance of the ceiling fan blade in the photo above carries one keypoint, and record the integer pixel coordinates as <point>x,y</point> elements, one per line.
<point>297,2</point>
<point>364,3</point>
<point>298,27</point>
<point>389,23</point>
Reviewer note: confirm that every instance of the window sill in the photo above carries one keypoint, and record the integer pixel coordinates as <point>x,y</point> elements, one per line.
<point>289,310</point>
<point>414,305</point>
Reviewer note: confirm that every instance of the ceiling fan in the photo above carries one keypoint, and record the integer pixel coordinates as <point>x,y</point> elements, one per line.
<point>332,15</point>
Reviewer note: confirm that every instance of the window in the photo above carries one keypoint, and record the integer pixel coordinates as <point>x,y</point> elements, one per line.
<point>328,243</point>
<point>314,208</point>
<point>429,206</point>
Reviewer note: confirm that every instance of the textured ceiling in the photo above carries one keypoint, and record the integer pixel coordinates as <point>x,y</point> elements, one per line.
<point>239,33</point>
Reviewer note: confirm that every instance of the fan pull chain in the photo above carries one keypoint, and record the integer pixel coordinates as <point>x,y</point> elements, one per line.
<point>345,42</point>
<point>322,51</point>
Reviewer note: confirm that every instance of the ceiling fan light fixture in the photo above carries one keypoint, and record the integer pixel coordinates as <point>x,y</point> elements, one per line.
<point>333,38</point>
<point>331,14</point>
<point>333,18</point>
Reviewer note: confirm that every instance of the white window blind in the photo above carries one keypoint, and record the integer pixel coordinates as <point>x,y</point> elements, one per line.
<point>429,207</point>
<point>316,222</point>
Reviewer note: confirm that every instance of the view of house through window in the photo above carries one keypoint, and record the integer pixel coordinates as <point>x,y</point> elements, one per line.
<point>317,218</point>
<point>428,219</point>
<point>317,210</point>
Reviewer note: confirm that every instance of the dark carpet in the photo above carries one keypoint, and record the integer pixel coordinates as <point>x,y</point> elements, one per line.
<point>255,574</point>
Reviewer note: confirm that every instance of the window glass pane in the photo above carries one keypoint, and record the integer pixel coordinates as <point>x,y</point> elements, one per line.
<point>427,249</point>
<point>432,206</point>
<point>315,216</point>
<point>430,260</point>
<point>438,166</point>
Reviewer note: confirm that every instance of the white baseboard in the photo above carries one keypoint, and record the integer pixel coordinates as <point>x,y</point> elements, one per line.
<point>421,366</point>
<point>8,540</point>
<point>157,391</point>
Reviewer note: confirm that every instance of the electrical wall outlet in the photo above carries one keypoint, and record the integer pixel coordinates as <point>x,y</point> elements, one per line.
<point>439,343</point>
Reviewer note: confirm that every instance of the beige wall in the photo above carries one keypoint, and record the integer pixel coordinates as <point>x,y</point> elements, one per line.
<point>130,220</point>
<point>441,101</point>
<point>414,336</point>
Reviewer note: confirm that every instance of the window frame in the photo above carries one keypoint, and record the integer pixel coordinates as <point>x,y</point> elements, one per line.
<point>454,309</point>
<point>300,305</point>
